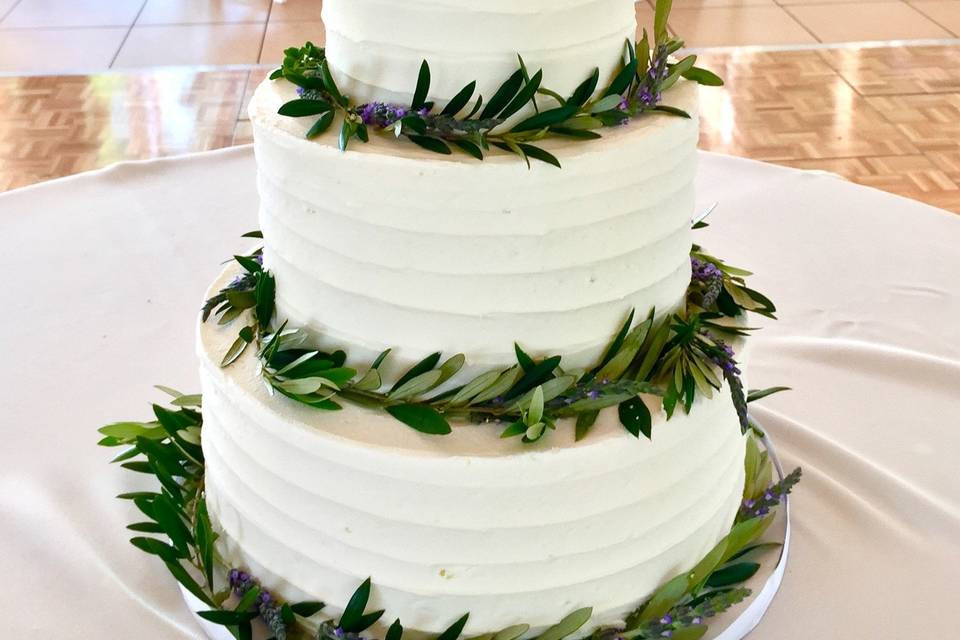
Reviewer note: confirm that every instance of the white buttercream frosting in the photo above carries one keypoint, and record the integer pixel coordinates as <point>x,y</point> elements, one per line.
<point>387,245</point>
<point>313,502</point>
<point>375,47</point>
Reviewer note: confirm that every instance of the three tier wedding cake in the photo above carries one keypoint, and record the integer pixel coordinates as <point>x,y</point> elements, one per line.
<point>480,363</point>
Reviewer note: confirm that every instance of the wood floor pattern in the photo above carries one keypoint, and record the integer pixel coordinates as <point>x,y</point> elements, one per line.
<point>887,117</point>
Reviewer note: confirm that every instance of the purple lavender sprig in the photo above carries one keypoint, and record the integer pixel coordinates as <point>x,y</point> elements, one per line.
<point>648,91</point>
<point>690,614</point>
<point>331,631</point>
<point>760,506</point>
<point>722,355</point>
<point>265,605</point>
<point>710,277</point>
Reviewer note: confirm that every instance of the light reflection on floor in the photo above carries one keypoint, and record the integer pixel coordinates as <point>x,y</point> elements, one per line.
<point>887,117</point>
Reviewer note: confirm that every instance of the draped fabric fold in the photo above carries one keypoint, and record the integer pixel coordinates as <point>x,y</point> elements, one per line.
<point>103,274</point>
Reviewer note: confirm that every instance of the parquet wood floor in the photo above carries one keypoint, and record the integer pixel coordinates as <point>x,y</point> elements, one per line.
<point>886,117</point>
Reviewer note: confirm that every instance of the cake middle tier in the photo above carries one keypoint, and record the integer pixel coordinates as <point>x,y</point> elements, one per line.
<point>387,245</point>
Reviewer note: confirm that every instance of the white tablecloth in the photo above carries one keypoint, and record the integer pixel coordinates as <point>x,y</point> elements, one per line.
<point>102,274</point>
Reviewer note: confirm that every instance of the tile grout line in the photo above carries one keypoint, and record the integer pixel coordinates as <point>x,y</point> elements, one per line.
<point>931,19</point>
<point>10,10</point>
<point>116,54</point>
<point>263,37</point>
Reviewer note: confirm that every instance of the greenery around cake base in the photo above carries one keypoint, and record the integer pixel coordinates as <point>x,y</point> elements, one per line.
<point>676,358</point>
<point>177,529</point>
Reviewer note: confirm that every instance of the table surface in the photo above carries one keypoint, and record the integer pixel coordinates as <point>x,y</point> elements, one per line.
<point>104,272</point>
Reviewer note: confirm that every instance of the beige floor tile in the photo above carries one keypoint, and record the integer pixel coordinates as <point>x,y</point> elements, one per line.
<point>191,44</point>
<point>73,13</point>
<point>818,2</point>
<point>203,11</point>
<point>866,21</point>
<point>644,18</point>
<point>946,13</point>
<point>58,50</point>
<point>295,11</point>
<point>737,26</point>
<point>282,35</point>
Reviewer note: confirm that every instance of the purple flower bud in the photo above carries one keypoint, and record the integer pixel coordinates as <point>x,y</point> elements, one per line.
<point>667,619</point>
<point>338,632</point>
<point>696,620</point>
<point>593,394</point>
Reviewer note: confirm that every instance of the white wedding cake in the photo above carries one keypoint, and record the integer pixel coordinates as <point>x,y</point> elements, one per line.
<point>388,245</point>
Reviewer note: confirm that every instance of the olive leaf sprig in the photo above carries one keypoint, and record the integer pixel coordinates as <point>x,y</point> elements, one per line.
<point>179,531</point>
<point>635,89</point>
<point>176,526</point>
<point>676,358</point>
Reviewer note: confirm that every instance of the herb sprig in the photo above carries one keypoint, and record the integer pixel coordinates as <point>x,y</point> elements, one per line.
<point>675,358</point>
<point>169,449</point>
<point>635,89</point>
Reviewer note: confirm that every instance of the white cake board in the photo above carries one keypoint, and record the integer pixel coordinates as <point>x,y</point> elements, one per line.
<point>734,624</point>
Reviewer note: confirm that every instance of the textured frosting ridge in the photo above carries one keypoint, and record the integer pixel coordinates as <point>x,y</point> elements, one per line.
<point>389,246</point>
<point>375,47</point>
<point>313,502</point>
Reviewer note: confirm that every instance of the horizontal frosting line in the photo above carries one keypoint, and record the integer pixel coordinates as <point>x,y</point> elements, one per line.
<point>420,545</point>
<point>602,283</point>
<point>506,256</point>
<point>482,578</point>
<point>296,435</point>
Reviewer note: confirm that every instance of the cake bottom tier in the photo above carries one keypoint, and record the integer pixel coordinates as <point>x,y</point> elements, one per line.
<point>314,502</point>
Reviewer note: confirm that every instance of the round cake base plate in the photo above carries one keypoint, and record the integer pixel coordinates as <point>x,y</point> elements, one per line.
<point>734,624</point>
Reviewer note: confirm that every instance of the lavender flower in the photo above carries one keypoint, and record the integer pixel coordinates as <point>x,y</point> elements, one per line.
<point>265,605</point>
<point>330,631</point>
<point>773,496</point>
<point>710,276</point>
<point>384,114</point>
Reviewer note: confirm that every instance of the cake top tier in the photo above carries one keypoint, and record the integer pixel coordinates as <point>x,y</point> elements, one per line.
<point>375,47</point>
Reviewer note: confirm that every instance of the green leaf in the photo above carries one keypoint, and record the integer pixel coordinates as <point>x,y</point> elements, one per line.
<point>657,340</point>
<point>370,381</point>
<point>535,413</point>
<point>621,82</point>
<point>235,351</point>
<point>585,90</point>
<point>205,537</point>
<point>576,133</point>
<point>476,107</point>
<point>145,527</point>
<point>504,382</point>
<point>347,131</point>
<point>617,341</point>
<point>524,360</point>
<point>472,388</point>
<point>395,632</point>
<point>665,598</point>
<point>304,107</point>
<point>619,363</point>
<point>451,367</point>
<point>330,85</point>
<point>192,400</point>
<point>158,548</point>
<point>167,516</point>
<point>703,76</point>
<point>692,632</point>
<point>253,234</point>
<point>453,631</point>
<point>353,612</point>
<point>249,264</point>
<point>423,366</point>
<point>674,111</point>
<point>383,356</point>
<point>525,95</point>
<point>227,618</point>
<point>417,386</point>
<point>585,422</point>
<point>606,103</point>
<point>545,118</point>
<point>517,428</point>
<point>743,533</point>
<point>538,375</point>
<point>512,632</point>
<point>246,602</point>
<point>460,100</point>
<point>579,123</point>
<point>420,417</point>
<point>635,417</point>
<point>539,154</point>
<point>732,574</point>
<point>503,95</point>
<point>321,125</point>
<point>265,293</point>
<point>183,577</point>
<point>570,624</point>
<point>430,144</point>
<point>423,87</point>
<point>660,16</point>
<point>469,147</point>
<point>307,609</point>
